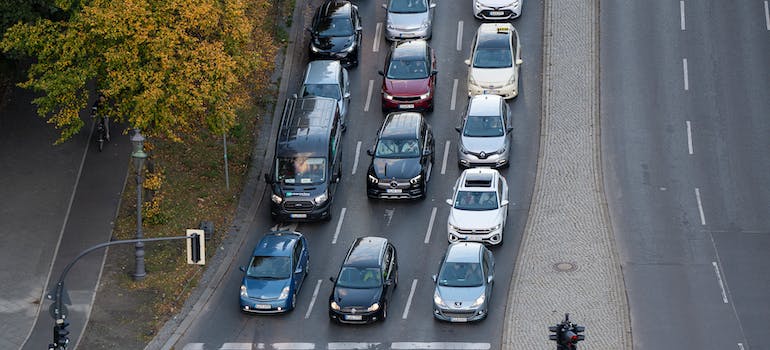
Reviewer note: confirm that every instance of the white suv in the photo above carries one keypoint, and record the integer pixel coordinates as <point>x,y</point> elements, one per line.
<point>479,207</point>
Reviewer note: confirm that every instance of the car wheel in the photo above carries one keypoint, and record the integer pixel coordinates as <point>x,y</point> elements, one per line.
<point>384,311</point>
<point>294,300</point>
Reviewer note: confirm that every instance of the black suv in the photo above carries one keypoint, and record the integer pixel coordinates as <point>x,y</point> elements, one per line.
<point>365,282</point>
<point>402,158</point>
<point>336,33</point>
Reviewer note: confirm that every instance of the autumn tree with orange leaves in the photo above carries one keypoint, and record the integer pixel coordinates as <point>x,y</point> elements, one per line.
<point>168,67</point>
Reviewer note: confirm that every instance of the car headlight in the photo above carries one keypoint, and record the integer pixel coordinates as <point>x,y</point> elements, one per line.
<point>424,25</point>
<point>415,179</point>
<point>501,150</point>
<point>373,179</point>
<point>496,227</point>
<point>334,305</point>
<point>425,95</point>
<point>276,198</point>
<point>512,79</point>
<point>437,299</point>
<point>452,227</point>
<point>463,149</point>
<point>284,293</point>
<point>478,301</point>
<point>390,26</point>
<point>244,293</point>
<point>374,307</point>
<point>387,96</point>
<point>350,48</point>
<point>471,80</point>
<point>478,5</point>
<point>321,198</point>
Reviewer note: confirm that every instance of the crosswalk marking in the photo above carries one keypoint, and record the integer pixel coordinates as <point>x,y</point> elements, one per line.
<point>352,346</point>
<point>345,346</point>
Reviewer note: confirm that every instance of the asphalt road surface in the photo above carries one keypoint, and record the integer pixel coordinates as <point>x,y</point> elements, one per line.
<point>685,106</point>
<point>418,234</point>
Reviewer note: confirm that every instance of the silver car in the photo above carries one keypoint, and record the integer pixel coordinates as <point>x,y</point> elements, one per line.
<point>409,19</point>
<point>479,207</point>
<point>485,133</point>
<point>497,9</point>
<point>464,283</point>
<point>327,78</point>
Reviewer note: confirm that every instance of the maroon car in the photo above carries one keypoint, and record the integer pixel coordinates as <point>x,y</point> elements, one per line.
<point>409,77</point>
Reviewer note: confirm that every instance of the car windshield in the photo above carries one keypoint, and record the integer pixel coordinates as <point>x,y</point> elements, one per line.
<point>483,126</point>
<point>493,52</point>
<point>322,90</point>
<point>407,69</point>
<point>335,26</point>
<point>476,200</point>
<point>301,170</point>
<point>269,267</point>
<point>408,6</point>
<point>359,277</point>
<point>460,274</point>
<point>397,148</point>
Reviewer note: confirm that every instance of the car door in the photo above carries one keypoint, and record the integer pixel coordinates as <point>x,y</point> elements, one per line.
<point>502,194</point>
<point>296,265</point>
<point>388,273</point>
<point>345,87</point>
<point>489,271</point>
<point>433,69</point>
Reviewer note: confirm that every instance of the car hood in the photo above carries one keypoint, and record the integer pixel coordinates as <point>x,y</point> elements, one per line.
<point>265,288</point>
<point>350,297</point>
<point>406,21</point>
<point>475,220</point>
<point>403,168</point>
<point>491,76</point>
<point>459,297</point>
<point>497,3</point>
<point>334,43</point>
<point>411,87</point>
<point>486,144</point>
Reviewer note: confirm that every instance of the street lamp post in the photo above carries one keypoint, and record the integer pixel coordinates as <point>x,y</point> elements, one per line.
<point>137,141</point>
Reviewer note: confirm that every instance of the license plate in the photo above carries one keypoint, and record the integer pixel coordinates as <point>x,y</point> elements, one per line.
<point>406,106</point>
<point>262,307</point>
<point>298,216</point>
<point>353,317</point>
<point>393,190</point>
<point>458,319</point>
<point>495,13</point>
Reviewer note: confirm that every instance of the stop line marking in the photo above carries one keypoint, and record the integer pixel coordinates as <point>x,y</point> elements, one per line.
<point>348,346</point>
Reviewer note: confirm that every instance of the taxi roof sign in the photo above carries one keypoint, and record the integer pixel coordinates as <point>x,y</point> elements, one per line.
<point>503,29</point>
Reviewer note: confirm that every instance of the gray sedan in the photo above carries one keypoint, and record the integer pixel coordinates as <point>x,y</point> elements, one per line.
<point>409,19</point>
<point>464,283</point>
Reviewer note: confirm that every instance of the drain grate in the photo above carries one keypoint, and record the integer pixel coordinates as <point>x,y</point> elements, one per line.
<point>565,266</point>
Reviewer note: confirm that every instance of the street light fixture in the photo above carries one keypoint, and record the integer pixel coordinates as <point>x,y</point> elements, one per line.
<point>137,142</point>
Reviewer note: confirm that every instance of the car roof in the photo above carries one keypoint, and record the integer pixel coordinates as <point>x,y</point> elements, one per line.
<point>401,125</point>
<point>409,50</point>
<point>479,179</point>
<point>485,105</point>
<point>336,8</point>
<point>366,252</point>
<point>323,72</point>
<point>278,243</point>
<point>494,35</point>
<point>468,252</point>
<point>305,129</point>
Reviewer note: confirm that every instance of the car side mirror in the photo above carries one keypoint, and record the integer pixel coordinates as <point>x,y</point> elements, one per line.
<point>427,152</point>
<point>490,279</point>
<point>459,129</point>
<point>370,152</point>
<point>468,62</point>
<point>381,73</point>
<point>519,61</point>
<point>298,270</point>
<point>449,201</point>
<point>359,28</point>
<point>504,202</point>
<point>434,72</point>
<point>268,179</point>
<point>242,268</point>
<point>332,279</point>
<point>435,278</point>
<point>433,5</point>
<point>385,6</point>
<point>389,282</point>
<point>309,30</point>
<point>346,95</point>
<point>510,128</point>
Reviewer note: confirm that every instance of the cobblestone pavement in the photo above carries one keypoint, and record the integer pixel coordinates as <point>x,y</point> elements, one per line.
<point>568,225</point>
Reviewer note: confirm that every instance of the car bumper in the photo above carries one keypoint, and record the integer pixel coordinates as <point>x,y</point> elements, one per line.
<point>396,34</point>
<point>493,161</point>
<point>357,318</point>
<point>385,191</point>
<point>506,91</point>
<point>497,14</point>
<point>494,237</point>
<point>264,307</point>
<point>319,212</point>
<point>347,59</point>
<point>405,103</point>
<point>459,315</point>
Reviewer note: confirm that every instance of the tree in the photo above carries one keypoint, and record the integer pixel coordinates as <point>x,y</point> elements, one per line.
<point>168,67</point>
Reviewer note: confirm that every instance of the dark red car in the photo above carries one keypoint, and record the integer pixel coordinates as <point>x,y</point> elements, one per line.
<point>409,78</point>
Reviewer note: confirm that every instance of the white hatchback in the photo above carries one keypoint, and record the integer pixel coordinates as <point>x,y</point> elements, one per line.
<point>497,9</point>
<point>479,207</point>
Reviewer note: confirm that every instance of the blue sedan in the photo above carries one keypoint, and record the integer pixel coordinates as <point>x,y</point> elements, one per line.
<point>278,266</point>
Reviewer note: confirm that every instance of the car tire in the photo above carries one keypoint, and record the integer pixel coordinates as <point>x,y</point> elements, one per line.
<point>294,300</point>
<point>384,311</point>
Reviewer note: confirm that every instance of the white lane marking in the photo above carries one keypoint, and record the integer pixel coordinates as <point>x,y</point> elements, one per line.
<point>377,37</point>
<point>681,12</point>
<point>236,346</point>
<point>719,279</point>
<point>293,346</point>
<point>339,225</point>
<point>369,96</point>
<point>353,346</point>
<point>686,78</point>
<point>260,345</point>
<point>312,300</point>
<point>767,16</point>
<point>358,153</point>
<point>389,215</point>
<point>459,35</point>
<point>193,346</point>
<point>740,345</point>
<point>440,345</point>
<point>454,96</point>
<point>689,137</point>
<point>700,207</point>
<point>409,299</point>
<point>430,225</point>
<point>446,154</point>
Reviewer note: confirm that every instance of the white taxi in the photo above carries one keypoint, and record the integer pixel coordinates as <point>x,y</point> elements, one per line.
<point>495,60</point>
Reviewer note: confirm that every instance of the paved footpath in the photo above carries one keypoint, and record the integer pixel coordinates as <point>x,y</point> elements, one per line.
<point>568,262</point>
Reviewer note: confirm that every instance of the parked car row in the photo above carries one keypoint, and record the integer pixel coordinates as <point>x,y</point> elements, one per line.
<point>306,170</point>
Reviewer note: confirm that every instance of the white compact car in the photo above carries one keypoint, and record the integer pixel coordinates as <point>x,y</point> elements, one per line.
<point>479,207</point>
<point>495,60</point>
<point>497,9</point>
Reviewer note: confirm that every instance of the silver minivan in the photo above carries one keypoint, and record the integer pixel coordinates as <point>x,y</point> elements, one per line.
<point>327,78</point>
<point>485,133</point>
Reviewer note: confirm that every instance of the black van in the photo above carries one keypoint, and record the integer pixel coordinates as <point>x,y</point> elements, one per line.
<point>308,153</point>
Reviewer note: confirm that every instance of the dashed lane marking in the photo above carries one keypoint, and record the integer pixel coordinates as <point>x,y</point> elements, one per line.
<point>377,37</point>
<point>454,96</point>
<point>700,207</point>
<point>719,279</point>
<point>446,155</point>
<point>358,153</point>
<point>681,14</point>
<point>430,225</point>
<point>369,96</point>
<point>686,78</point>
<point>339,225</point>
<point>459,35</point>
<point>689,137</point>
<point>312,300</point>
<point>409,299</point>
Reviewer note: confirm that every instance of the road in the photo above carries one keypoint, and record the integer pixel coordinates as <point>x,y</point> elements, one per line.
<point>418,234</point>
<point>685,105</point>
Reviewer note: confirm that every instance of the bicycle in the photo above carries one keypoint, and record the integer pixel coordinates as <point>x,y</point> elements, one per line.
<point>102,132</point>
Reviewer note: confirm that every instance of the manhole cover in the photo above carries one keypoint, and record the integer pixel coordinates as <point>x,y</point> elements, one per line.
<point>565,266</point>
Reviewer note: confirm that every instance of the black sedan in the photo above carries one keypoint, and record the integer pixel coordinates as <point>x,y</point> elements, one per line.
<point>402,158</point>
<point>336,33</point>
